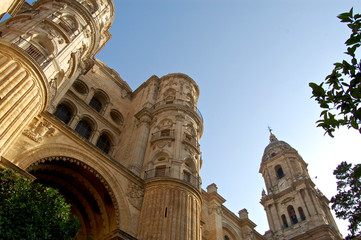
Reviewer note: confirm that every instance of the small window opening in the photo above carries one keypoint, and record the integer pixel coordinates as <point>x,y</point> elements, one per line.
<point>96,104</point>
<point>165,213</point>
<point>63,113</point>
<point>279,172</point>
<point>84,129</point>
<point>284,221</point>
<point>292,214</point>
<point>302,214</point>
<point>186,176</point>
<point>103,143</point>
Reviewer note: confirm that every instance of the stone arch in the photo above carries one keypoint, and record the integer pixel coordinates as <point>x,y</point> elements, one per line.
<point>68,23</point>
<point>229,231</point>
<point>110,137</point>
<point>117,117</point>
<point>189,128</point>
<point>91,121</point>
<point>102,97</point>
<point>72,107</point>
<point>165,123</point>
<point>44,42</point>
<point>91,5</point>
<point>190,99</point>
<point>76,156</point>
<point>190,165</point>
<point>159,158</point>
<point>80,87</point>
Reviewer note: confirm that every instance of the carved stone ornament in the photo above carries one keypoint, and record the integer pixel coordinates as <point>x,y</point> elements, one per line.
<point>144,120</point>
<point>217,209</point>
<point>38,129</point>
<point>161,145</point>
<point>135,195</point>
<point>124,94</point>
<point>165,123</point>
<point>249,235</point>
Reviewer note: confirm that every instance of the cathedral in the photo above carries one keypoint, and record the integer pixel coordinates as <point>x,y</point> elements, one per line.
<point>128,161</point>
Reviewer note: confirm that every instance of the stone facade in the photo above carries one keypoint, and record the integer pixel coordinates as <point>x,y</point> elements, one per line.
<point>127,161</point>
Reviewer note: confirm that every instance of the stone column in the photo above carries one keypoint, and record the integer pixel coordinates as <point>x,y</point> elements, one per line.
<point>23,93</point>
<point>170,210</point>
<point>215,213</point>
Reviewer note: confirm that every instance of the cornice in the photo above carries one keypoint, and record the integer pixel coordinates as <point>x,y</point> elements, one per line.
<point>214,196</point>
<point>276,196</point>
<point>235,218</point>
<point>177,107</point>
<point>172,182</point>
<point>283,154</point>
<point>109,72</point>
<point>145,84</point>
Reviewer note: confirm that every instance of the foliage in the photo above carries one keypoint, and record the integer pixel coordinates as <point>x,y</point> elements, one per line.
<point>29,210</point>
<point>340,94</point>
<point>347,202</point>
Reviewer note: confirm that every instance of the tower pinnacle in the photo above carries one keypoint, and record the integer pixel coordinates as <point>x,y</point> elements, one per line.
<point>272,137</point>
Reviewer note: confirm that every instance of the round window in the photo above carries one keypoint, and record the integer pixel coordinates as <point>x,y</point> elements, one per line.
<point>80,87</point>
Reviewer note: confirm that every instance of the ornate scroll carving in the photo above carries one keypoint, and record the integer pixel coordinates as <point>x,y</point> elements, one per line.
<point>38,129</point>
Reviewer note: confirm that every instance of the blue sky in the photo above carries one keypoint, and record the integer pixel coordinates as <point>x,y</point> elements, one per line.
<point>253,60</point>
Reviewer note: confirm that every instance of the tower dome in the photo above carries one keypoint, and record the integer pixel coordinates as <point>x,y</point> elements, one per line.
<point>275,147</point>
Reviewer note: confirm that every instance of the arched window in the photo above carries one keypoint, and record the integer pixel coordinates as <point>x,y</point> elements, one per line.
<point>104,143</point>
<point>292,214</point>
<point>80,87</point>
<point>279,172</point>
<point>84,129</point>
<point>226,237</point>
<point>116,117</point>
<point>96,104</point>
<point>63,112</point>
<point>302,214</point>
<point>284,221</point>
<point>99,101</point>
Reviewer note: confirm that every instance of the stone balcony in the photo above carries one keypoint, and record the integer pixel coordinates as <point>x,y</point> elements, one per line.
<point>167,172</point>
<point>180,102</point>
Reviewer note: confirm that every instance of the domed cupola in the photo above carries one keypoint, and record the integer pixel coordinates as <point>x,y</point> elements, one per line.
<point>275,147</point>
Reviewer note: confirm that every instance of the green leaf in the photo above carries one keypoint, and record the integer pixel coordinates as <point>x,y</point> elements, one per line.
<point>354,124</point>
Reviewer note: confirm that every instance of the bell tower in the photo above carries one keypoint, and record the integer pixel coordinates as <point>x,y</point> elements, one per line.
<point>295,208</point>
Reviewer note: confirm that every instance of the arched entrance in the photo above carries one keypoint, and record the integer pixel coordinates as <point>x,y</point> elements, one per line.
<point>84,188</point>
